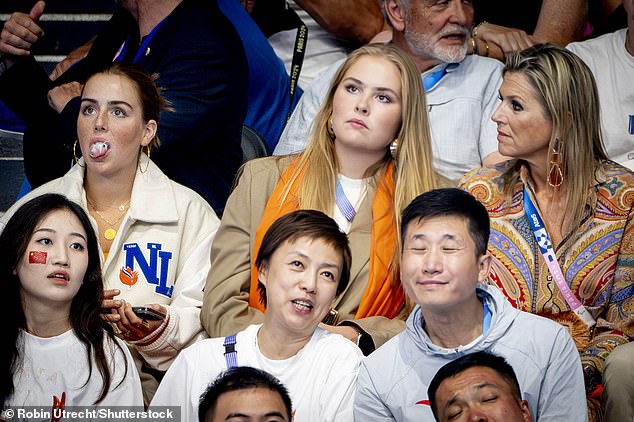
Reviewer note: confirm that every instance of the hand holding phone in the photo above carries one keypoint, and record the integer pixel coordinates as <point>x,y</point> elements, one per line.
<point>148,314</point>
<point>135,323</point>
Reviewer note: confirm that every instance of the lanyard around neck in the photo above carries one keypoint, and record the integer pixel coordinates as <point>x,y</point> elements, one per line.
<point>343,203</point>
<point>546,248</point>
<point>298,59</point>
<point>430,81</point>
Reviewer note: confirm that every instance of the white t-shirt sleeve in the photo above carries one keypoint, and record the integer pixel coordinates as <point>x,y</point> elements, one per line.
<point>176,388</point>
<point>338,395</point>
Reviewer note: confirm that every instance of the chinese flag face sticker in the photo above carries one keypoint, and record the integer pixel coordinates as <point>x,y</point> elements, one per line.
<point>37,257</point>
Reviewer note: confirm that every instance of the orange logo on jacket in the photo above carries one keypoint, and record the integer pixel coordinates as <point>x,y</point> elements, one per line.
<point>128,277</point>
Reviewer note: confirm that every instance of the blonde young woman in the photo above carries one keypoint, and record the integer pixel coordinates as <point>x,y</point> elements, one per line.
<point>154,234</point>
<point>561,187</point>
<point>375,101</point>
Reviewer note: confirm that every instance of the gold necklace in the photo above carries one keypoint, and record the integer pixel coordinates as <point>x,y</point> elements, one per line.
<point>110,233</point>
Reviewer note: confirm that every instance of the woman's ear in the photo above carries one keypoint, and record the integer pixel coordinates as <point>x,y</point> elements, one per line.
<point>263,272</point>
<point>149,132</point>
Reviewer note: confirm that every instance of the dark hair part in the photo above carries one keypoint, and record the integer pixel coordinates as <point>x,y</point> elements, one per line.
<point>85,310</point>
<point>450,202</point>
<point>241,378</point>
<point>152,103</point>
<point>483,359</point>
<point>309,224</point>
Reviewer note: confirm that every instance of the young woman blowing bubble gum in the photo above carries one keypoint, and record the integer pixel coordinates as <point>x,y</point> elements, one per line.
<point>155,235</point>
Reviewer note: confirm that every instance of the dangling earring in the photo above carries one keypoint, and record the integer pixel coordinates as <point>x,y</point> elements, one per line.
<point>75,154</point>
<point>394,147</point>
<point>147,152</point>
<point>330,129</point>
<point>555,175</point>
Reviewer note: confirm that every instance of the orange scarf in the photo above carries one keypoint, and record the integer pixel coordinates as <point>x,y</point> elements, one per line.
<point>382,296</point>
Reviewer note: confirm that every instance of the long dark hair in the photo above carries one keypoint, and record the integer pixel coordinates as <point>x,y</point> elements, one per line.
<point>85,309</point>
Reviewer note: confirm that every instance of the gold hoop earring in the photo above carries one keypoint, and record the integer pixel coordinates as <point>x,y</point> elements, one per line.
<point>75,154</point>
<point>555,175</point>
<point>147,152</point>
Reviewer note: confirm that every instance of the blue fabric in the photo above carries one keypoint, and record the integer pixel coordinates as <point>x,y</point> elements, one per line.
<point>10,121</point>
<point>26,188</point>
<point>269,83</point>
<point>486,318</point>
<point>430,81</point>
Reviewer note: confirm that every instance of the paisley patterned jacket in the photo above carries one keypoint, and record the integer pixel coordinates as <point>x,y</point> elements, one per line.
<point>597,259</point>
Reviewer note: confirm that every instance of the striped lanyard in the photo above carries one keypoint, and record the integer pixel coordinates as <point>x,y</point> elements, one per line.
<point>546,248</point>
<point>231,354</point>
<point>343,203</point>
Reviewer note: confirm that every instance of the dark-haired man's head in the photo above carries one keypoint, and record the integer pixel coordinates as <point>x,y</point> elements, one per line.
<point>245,394</point>
<point>478,386</point>
<point>450,202</point>
<point>444,236</point>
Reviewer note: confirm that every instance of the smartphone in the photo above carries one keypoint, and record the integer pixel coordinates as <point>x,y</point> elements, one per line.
<point>147,313</point>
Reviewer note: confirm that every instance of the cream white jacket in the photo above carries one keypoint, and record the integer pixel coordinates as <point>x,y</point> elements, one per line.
<point>165,239</point>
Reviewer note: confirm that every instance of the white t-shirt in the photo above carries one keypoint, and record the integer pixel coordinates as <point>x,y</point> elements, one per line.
<point>320,378</point>
<point>613,69</point>
<point>56,365</point>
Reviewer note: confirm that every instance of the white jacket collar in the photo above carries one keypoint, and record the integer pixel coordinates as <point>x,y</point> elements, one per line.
<point>149,185</point>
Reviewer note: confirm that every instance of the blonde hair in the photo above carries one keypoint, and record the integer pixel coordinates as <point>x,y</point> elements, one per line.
<point>414,173</point>
<point>569,97</point>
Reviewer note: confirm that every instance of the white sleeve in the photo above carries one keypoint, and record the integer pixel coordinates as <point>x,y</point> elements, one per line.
<point>563,394</point>
<point>176,388</point>
<point>338,396</point>
<point>368,405</point>
<point>296,134</point>
<point>183,326</point>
